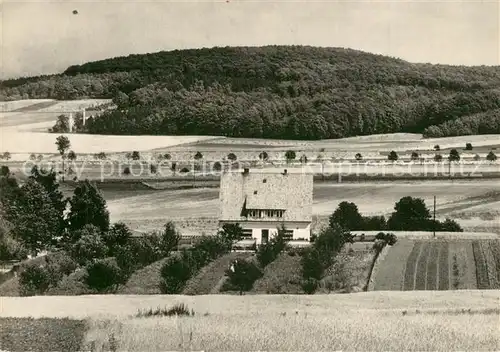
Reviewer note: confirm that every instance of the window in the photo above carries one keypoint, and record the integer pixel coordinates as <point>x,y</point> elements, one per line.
<point>288,235</point>
<point>247,233</point>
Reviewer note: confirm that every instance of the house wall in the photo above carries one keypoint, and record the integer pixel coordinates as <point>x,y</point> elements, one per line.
<point>301,230</point>
<point>267,191</point>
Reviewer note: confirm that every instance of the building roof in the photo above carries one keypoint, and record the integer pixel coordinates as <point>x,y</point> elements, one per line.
<point>292,192</point>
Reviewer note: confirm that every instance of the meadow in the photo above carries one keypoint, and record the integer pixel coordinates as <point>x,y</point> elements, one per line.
<point>374,321</point>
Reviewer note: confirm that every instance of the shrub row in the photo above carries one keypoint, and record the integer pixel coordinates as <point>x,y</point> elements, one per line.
<point>108,258</point>
<point>244,273</point>
<point>321,255</point>
<point>178,269</point>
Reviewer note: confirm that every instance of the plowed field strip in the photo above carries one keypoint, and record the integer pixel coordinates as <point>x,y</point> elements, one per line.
<point>489,258</point>
<point>443,267</point>
<point>432,267</point>
<point>391,273</point>
<point>421,270</point>
<point>411,264</point>
<point>495,250</point>
<point>481,267</point>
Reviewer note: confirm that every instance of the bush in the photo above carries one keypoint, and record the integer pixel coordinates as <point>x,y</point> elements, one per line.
<point>359,157</point>
<point>104,275</point>
<point>388,238</point>
<point>468,146</point>
<point>374,223</point>
<point>243,276</point>
<point>310,285</point>
<point>177,310</point>
<point>58,266</point>
<point>268,252</point>
<point>33,280</point>
<point>89,247</point>
<point>126,170</point>
<point>450,226</point>
<point>4,170</point>
<point>437,147</point>
<point>438,158</point>
<point>378,245</point>
<point>118,236</point>
<point>312,264</point>
<point>11,249</point>
<point>145,249</point>
<point>174,274</point>
<point>169,238</point>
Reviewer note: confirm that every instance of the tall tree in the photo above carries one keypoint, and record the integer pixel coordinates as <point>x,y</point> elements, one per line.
<point>36,222</point>
<point>347,216</point>
<point>87,207</point>
<point>410,214</point>
<point>63,144</point>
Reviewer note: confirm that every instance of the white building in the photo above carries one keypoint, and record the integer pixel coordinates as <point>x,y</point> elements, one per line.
<point>263,202</point>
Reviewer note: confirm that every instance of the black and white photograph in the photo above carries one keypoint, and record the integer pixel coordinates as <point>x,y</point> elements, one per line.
<point>249,175</point>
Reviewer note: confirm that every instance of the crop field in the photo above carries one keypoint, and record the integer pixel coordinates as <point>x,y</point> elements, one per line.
<point>417,321</point>
<point>142,210</point>
<point>440,265</point>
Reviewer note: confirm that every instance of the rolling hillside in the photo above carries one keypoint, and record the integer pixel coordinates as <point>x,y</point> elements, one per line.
<point>440,265</point>
<point>286,92</point>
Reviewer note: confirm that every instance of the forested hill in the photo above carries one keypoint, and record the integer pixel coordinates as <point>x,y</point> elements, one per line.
<point>276,92</point>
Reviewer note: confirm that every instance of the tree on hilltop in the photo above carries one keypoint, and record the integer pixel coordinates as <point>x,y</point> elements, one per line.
<point>454,155</point>
<point>290,155</point>
<point>491,156</point>
<point>393,156</point>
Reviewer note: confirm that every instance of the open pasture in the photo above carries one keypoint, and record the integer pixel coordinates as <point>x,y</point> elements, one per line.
<point>417,321</point>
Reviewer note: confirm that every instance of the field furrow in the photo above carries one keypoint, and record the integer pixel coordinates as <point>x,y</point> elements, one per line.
<point>421,268</point>
<point>495,250</point>
<point>411,264</point>
<point>443,267</point>
<point>432,267</point>
<point>490,264</point>
<point>481,266</point>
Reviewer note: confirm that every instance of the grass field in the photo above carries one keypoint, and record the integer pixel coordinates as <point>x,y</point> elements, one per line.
<point>373,321</point>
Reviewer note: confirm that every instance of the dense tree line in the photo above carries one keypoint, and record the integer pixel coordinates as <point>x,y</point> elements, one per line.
<point>276,92</point>
<point>76,231</point>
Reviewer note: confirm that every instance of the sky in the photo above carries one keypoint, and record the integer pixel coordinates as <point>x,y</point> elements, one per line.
<point>43,36</point>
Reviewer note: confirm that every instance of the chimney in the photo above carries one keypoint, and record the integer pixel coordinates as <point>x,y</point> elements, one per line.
<point>246,171</point>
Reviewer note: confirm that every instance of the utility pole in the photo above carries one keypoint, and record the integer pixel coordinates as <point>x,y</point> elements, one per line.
<point>434,222</point>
